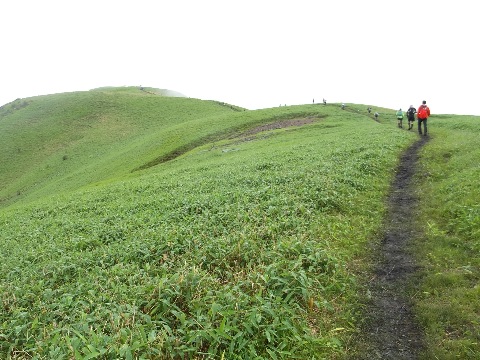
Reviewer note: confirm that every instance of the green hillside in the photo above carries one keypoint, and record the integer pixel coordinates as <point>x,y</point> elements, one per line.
<point>62,142</point>
<point>139,226</point>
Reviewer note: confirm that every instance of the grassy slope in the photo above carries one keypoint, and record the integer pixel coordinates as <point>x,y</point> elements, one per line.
<point>61,142</point>
<point>238,236</point>
<point>239,247</point>
<point>449,294</point>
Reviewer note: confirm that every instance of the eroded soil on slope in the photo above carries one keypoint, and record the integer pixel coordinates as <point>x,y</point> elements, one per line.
<point>392,329</point>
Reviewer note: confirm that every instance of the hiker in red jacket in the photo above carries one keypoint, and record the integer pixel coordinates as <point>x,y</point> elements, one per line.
<point>422,115</point>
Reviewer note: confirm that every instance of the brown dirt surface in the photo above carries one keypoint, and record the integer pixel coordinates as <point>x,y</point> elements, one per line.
<point>392,329</point>
<point>280,125</point>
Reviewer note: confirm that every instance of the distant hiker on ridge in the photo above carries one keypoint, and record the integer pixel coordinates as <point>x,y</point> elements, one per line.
<point>422,115</point>
<point>343,106</point>
<point>411,116</point>
<point>324,102</point>
<point>369,109</point>
<point>399,115</point>
<point>376,115</point>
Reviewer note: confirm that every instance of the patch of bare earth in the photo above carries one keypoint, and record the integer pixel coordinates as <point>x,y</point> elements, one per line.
<point>392,329</point>
<point>249,134</point>
<point>280,125</point>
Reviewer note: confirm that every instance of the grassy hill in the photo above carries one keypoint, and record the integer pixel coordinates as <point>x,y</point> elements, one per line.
<point>135,225</point>
<point>62,142</point>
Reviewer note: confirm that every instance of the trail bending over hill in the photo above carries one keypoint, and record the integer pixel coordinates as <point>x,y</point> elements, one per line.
<point>393,328</point>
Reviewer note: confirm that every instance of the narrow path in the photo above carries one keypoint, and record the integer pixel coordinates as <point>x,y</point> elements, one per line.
<point>392,327</point>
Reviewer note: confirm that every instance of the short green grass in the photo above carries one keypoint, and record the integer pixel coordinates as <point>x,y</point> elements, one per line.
<point>239,246</point>
<point>448,297</point>
<point>242,247</point>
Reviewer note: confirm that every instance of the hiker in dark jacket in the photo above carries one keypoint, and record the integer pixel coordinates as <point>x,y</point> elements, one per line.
<point>411,116</point>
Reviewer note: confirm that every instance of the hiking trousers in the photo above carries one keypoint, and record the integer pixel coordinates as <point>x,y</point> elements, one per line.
<point>424,121</point>
<point>410,123</point>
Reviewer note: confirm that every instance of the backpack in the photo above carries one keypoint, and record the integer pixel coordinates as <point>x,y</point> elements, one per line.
<point>422,112</point>
<point>411,113</point>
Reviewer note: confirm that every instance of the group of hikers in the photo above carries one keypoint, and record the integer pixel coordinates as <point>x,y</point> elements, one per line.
<point>369,109</point>
<point>423,113</point>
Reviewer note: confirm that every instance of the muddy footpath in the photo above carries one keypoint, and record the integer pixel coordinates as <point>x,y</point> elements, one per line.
<point>392,329</point>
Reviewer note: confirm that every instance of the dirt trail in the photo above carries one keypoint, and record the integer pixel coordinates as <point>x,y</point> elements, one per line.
<point>392,327</point>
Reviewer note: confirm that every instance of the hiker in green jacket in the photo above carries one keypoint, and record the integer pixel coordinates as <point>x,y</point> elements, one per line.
<point>399,115</point>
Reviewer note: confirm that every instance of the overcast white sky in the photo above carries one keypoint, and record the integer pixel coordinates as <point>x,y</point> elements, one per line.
<point>251,53</point>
